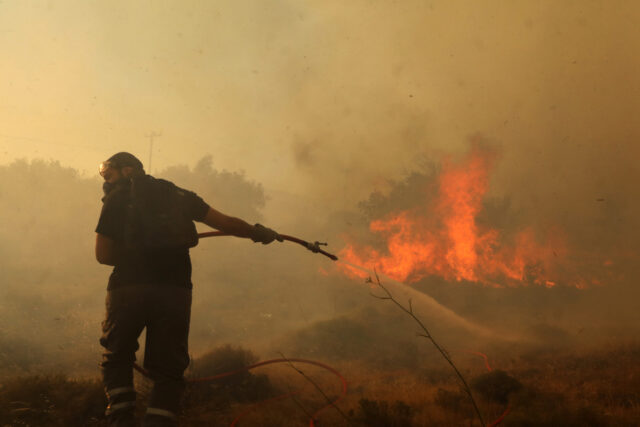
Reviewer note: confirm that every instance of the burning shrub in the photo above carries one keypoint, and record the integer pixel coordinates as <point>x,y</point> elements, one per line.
<point>379,413</point>
<point>435,224</point>
<point>51,401</point>
<point>496,386</point>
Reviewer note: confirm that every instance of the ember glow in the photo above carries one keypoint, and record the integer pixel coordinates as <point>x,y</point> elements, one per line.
<point>444,238</point>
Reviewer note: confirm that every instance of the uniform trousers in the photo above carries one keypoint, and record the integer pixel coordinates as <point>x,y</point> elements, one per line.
<point>165,311</point>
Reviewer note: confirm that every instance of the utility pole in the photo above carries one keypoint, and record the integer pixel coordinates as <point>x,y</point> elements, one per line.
<point>152,135</point>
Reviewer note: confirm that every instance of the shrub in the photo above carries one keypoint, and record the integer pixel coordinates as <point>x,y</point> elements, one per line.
<point>496,386</point>
<point>241,387</point>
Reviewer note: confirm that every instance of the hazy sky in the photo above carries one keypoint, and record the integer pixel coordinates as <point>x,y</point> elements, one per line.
<point>327,97</point>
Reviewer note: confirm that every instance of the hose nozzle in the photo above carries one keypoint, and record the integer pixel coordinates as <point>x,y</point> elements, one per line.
<point>315,246</point>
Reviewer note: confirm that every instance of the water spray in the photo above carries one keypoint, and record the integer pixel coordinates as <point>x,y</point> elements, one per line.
<point>434,306</point>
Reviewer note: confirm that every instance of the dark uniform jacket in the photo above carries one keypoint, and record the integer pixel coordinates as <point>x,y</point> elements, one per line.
<point>140,266</point>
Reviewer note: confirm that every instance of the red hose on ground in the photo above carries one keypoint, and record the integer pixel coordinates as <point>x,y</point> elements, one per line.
<point>484,356</point>
<point>500,418</point>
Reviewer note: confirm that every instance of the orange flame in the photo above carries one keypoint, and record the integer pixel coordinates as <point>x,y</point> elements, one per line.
<point>448,242</point>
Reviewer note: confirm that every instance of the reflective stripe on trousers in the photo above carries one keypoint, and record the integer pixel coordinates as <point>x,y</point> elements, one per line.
<point>118,406</point>
<point>162,413</point>
<point>120,390</point>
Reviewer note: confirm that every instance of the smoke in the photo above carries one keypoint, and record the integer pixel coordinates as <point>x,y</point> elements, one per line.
<point>395,85</point>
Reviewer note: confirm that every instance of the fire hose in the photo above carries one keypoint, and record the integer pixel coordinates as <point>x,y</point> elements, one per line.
<point>313,247</point>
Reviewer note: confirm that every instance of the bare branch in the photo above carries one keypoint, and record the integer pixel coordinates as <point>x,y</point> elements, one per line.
<point>378,296</point>
<point>427,335</point>
<point>298,403</point>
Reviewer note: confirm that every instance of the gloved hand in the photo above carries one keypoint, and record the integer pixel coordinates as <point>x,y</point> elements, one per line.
<point>264,235</point>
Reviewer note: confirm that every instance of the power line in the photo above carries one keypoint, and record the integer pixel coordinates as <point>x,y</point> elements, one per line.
<point>151,136</point>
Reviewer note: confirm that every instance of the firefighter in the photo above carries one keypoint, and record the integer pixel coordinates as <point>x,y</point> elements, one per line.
<point>145,231</point>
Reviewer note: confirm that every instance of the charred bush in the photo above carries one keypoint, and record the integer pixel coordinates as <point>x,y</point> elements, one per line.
<point>51,401</point>
<point>242,386</point>
<point>496,386</point>
<point>379,413</point>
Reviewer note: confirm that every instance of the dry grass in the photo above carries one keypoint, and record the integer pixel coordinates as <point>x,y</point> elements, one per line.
<point>599,388</point>
<point>51,401</point>
<point>595,388</point>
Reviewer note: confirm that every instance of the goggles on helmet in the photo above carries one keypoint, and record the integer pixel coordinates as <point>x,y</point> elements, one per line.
<point>104,167</point>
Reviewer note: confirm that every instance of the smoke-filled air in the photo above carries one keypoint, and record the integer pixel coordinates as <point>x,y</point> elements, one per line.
<point>472,165</point>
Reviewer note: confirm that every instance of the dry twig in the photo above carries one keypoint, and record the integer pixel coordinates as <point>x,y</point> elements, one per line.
<point>298,403</point>
<point>427,335</point>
